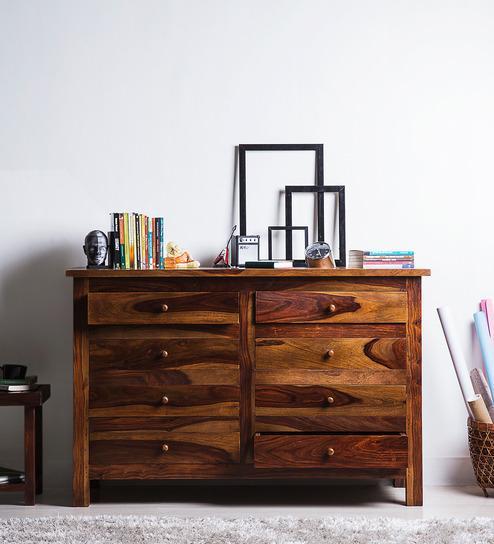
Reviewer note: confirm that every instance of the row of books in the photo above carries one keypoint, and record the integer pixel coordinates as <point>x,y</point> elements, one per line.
<point>380,259</point>
<point>137,242</point>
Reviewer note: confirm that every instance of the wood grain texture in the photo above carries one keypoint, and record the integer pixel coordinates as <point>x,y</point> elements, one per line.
<point>183,424</point>
<point>80,447</point>
<point>330,424</point>
<point>247,355</point>
<point>164,362</point>
<point>317,306</point>
<point>30,455</point>
<point>247,283</point>
<point>330,377</point>
<point>414,488</point>
<point>308,273</point>
<point>148,308</point>
<point>337,451</point>
<point>187,400</point>
<point>330,330</point>
<point>153,471</point>
<point>369,354</point>
<point>308,400</point>
<point>108,448</point>
<point>159,332</point>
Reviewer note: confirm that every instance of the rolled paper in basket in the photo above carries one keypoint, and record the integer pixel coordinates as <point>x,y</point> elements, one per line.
<point>479,410</point>
<point>486,347</point>
<point>457,356</point>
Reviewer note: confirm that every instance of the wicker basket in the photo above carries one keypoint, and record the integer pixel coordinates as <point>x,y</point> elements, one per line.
<point>481,443</point>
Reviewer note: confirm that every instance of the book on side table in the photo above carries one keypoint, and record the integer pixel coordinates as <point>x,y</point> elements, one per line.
<point>25,384</point>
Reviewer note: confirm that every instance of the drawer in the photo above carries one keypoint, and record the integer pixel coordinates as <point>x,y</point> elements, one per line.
<point>373,354</point>
<point>344,400</point>
<point>113,399</point>
<point>167,361</point>
<point>326,307</point>
<point>154,447</point>
<point>330,451</point>
<point>162,308</point>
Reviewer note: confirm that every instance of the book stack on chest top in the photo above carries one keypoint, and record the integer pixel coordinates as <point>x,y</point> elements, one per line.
<point>381,259</point>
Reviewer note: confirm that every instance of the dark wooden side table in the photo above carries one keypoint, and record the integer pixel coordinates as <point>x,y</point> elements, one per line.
<point>33,440</point>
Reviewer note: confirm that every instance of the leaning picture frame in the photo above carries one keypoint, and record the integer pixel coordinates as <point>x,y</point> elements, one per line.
<point>243,149</point>
<point>318,190</point>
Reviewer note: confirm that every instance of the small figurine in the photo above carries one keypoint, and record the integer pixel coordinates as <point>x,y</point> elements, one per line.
<point>96,249</point>
<point>179,258</point>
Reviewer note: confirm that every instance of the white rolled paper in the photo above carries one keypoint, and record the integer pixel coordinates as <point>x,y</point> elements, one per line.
<point>457,356</point>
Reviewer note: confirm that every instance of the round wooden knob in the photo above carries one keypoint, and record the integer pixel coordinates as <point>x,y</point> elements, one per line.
<point>330,353</point>
<point>163,354</point>
<point>164,399</point>
<point>330,451</point>
<point>332,308</point>
<point>164,448</point>
<point>330,400</point>
<point>164,307</point>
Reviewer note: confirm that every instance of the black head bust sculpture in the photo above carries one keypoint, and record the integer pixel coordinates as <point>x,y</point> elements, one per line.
<point>96,248</point>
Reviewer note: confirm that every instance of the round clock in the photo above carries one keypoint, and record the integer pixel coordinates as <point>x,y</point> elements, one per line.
<point>318,255</point>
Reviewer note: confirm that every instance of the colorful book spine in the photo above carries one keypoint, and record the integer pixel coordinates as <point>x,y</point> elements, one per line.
<point>150,243</point>
<point>122,240</point>
<point>138,241</point>
<point>116,241</point>
<point>128,260</point>
<point>162,243</point>
<point>390,253</point>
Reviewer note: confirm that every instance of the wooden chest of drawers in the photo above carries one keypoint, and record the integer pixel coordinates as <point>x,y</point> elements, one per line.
<point>247,374</point>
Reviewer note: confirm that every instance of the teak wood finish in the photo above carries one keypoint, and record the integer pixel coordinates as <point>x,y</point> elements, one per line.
<point>247,374</point>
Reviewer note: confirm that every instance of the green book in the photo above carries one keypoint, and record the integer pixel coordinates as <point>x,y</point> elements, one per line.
<point>28,380</point>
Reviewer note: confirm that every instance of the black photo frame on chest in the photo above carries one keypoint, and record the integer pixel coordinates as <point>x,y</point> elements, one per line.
<point>244,148</point>
<point>318,190</point>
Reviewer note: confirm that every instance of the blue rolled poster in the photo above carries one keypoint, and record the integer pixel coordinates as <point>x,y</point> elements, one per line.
<point>486,346</point>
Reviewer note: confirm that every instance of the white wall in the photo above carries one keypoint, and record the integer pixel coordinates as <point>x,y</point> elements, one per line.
<point>137,105</point>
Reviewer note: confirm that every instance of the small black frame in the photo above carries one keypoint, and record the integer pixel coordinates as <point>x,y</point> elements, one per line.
<point>289,249</point>
<point>319,190</point>
<point>243,148</point>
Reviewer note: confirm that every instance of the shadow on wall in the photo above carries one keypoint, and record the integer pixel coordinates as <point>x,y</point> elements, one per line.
<point>36,330</point>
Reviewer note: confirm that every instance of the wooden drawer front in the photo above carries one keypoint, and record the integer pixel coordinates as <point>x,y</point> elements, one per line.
<point>154,447</point>
<point>162,308</point>
<point>167,361</point>
<point>316,400</point>
<point>365,354</point>
<point>330,451</point>
<point>324,307</point>
<point>113,399</point>
<point>330,424</point>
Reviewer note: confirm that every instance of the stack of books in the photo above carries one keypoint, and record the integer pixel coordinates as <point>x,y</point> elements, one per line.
<point>138,242</point>
<point>25,384</point>
<point>380,259</point>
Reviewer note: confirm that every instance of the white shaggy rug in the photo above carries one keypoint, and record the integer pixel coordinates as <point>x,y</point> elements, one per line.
<point>157,530</point>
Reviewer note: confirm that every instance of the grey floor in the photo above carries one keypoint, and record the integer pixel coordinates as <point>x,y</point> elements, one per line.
<point>379,499</point>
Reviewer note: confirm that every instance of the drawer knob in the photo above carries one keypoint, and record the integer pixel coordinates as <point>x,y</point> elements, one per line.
<point>330,400</point>
<point>163,354</point>
<point>330,451</point>
<point>332,308</point>
<point>330,353</point>
<point>164,448</point>
<point>164,308</point>
<point>164,399</point>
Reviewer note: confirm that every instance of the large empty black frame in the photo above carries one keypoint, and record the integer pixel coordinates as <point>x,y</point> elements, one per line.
<point>319,191</point>
<point>243,148</point>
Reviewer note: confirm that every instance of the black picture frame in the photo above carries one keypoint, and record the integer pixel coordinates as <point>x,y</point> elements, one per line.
<point>242,174</point>
<point>288,249</point>
<point>319,191</point>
